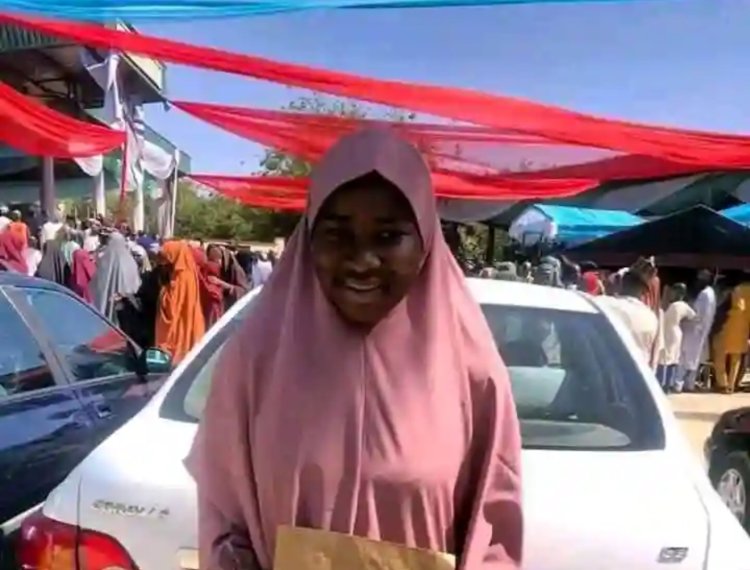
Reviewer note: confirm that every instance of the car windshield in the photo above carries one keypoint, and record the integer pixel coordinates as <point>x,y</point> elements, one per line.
<point>574,384</point>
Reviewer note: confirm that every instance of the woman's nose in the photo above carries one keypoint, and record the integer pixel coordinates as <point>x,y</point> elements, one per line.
<point>364,259</point>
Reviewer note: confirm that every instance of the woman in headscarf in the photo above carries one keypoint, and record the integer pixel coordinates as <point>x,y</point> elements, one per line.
<point>11,253</point>
<point>116,275</point>
<point>32,255</point>
<point>179,319</point>
<point>82,272</point>
<point>231,273</point>
<point>53,266</point>
<point>363,394</point>
<point>548,272</point>
<point>211,287</point>
<point>136,313</point>
<point>68,244</point>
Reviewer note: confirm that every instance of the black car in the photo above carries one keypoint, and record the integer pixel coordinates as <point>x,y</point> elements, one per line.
<point>68,378</point>
<point>727,453</point>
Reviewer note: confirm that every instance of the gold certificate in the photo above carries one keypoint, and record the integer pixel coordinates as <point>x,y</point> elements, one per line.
<point>311,549</point>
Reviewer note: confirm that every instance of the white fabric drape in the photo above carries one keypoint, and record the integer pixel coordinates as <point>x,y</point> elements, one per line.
<point>167,201</point>
<point>156,161</point>
<point>105,75</point>
<point>90,165</point>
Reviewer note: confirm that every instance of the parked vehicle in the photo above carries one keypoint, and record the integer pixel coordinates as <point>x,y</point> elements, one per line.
<point>68,379</point>
<point>609,481</point>
<point>727,452</point>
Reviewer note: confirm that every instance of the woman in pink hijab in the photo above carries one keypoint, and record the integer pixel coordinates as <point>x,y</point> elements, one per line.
<point>364,393</point>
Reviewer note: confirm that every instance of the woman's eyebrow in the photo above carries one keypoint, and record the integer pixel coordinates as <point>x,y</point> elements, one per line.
<point>331,217</point>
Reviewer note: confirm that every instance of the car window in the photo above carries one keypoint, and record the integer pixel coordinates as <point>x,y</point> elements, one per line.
<point>574,384</point>
<point>22,364</point>
<point>91,347</point>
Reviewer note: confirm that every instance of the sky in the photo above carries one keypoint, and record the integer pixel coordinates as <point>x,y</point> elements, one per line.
<point>673,62</point>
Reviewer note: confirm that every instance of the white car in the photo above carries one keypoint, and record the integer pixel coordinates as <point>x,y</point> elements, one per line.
<point>609,482</point>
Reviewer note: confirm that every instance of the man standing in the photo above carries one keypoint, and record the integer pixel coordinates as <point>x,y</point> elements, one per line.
<point>638,317</point>
<point>695,334</point>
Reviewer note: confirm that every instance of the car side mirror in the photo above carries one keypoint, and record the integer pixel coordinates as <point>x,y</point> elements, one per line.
<point>154,361</point>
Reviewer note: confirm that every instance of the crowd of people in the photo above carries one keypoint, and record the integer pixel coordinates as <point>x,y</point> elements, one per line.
<point>685,331</point>
<point>162,293</point>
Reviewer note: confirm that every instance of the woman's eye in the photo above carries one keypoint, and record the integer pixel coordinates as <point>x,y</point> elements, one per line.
<point>334,234</point>
<point>390,236</point>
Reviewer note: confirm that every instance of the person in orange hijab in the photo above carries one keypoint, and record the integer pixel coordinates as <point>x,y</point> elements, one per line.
<point>179,318</point>
<point>18,226</point>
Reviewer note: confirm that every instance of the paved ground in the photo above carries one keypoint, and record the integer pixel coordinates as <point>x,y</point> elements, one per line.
<point>697,413</point>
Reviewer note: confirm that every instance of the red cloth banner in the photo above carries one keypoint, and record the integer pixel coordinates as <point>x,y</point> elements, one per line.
<point>700,149</point>
<point>292,191</point>
<point>274,192</point>
<point>32,127</point>
<point>449,148</point>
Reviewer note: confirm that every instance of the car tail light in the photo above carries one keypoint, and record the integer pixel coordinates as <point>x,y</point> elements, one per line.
<point>46,544</point>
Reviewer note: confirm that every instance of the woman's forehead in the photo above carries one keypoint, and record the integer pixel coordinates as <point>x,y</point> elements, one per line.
<point>368,198</point>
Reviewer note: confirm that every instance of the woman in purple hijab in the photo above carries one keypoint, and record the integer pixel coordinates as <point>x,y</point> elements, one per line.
<point>363,394</point>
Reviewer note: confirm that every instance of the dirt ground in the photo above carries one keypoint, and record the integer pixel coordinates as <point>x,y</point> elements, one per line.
<point>697,413</point>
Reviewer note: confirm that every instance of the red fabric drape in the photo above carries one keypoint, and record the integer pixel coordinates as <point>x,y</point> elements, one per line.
<point>449,148</point>
<point>32,127</point>
<point>291,192</point>
<point>677,145</point>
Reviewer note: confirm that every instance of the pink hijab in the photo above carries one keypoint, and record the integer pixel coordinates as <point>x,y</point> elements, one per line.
<point>406,433</point>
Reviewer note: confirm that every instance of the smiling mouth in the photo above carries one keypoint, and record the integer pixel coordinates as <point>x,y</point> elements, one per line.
<point>361,286</point>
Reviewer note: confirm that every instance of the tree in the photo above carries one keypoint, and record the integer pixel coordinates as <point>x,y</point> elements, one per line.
<point>210,216</point>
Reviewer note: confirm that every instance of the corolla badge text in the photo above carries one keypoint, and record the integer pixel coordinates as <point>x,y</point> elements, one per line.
<point>672,555</point>
<point>125,510</point>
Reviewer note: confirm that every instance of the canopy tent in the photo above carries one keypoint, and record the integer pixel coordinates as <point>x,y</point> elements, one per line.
<point>600,138</point>
<point>693,238</point>
<point>518,149</point>
<point>739,214</point>
<point>568,225</point>
<point>150,10</point>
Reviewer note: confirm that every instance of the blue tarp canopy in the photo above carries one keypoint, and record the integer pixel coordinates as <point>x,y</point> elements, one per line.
<point>739,214</point>
<point>152,10</point>
<point>568,225</point>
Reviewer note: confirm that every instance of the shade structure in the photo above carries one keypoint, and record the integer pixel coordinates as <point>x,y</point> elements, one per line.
<point>739,214</point>
<point>251,189</point>
<point>701,150</point>
<point>34,128</point>
<point>150,10</point>
<point>448,147</point>
<point>693,238</point>
<point>568,225</point>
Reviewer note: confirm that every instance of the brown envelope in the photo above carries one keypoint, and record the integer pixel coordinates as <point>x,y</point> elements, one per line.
<point>310,549</point>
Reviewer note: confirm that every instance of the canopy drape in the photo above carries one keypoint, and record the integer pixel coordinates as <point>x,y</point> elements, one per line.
<point>448,147</point>
<point>150,10</point>
<point>250,189</point>
<point>555,124</point>
<point>35,129</point>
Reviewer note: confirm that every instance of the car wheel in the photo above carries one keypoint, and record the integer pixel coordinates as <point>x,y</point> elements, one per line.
<point>732,482</point>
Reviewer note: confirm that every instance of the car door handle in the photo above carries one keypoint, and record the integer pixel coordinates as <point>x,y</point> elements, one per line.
<point>103,410</point>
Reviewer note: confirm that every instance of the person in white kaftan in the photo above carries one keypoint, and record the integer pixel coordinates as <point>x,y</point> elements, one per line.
<point>677,314</point>
<point>637,317</point>
<point>695,334</point>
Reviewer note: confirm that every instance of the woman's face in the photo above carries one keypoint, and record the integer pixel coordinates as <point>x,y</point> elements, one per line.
<point>366,249</point>
<point>214,254</point>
